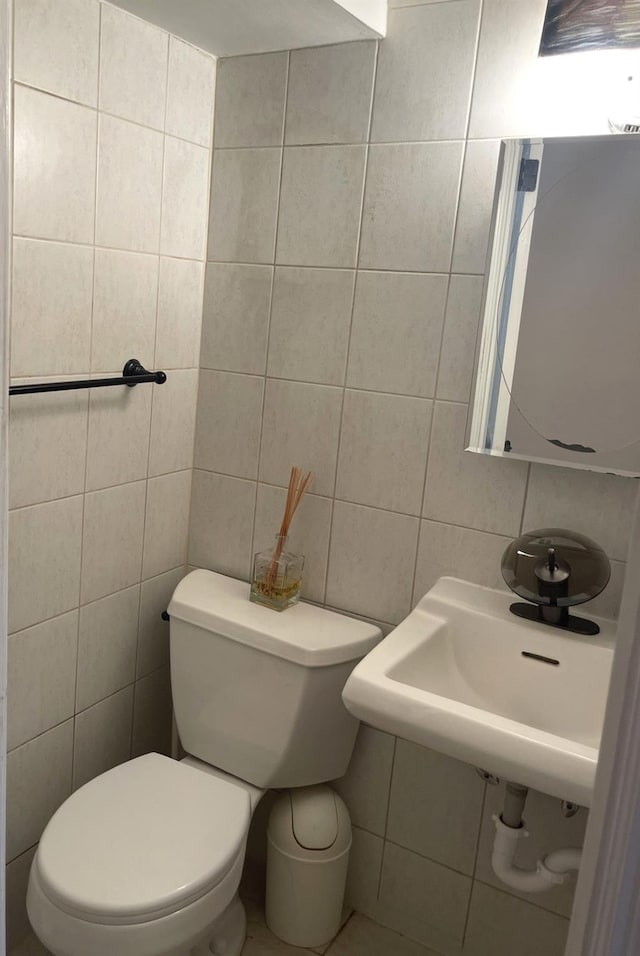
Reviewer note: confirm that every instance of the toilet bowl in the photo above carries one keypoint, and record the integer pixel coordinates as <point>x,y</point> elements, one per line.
<point>179,828</point>
<point>146,859</point>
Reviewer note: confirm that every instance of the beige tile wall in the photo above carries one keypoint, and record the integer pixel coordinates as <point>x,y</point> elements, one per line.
<point>352,189</point>
<point>113,125</point>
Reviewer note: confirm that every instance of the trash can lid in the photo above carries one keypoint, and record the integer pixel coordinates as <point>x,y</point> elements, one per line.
<point>310,818</point>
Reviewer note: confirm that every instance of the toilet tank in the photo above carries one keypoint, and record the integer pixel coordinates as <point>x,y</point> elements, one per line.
<point>258,693</point>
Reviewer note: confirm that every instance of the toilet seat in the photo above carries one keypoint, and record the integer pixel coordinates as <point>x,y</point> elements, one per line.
<point>142,841</point>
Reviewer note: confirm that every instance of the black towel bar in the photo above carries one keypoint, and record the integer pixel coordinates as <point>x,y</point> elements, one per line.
<point>133,373</point>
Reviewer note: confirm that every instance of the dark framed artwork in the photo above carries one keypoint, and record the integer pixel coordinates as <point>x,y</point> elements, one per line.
<point>574,25</point>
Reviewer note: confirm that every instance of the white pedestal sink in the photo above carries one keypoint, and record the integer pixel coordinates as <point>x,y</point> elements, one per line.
<point>464,676</point>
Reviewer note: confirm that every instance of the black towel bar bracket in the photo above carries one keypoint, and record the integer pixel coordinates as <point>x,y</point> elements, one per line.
<point>133,373</point>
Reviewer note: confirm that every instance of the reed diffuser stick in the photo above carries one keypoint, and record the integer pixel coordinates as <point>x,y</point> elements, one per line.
<point>298,484</point>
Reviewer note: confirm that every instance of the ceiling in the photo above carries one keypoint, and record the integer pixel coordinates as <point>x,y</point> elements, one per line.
<point>233,27</point>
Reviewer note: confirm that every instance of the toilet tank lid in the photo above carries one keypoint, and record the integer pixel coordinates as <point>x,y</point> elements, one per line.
<point>304,634</point>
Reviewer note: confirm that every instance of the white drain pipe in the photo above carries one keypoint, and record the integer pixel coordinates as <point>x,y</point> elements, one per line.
<point>552,871</point>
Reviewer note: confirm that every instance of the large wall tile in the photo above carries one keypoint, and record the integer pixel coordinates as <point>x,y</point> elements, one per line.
<point>371,562</point>
<point>18,925</point>
<point>38,781</point>
<point>51,308</point>
<point>112,539</point>
<point>244,199</point>
<point>365,786</point>
<point>460,552</point>
<point>44,561</point>
<point>309,534</point>
<point>153,630</point>
<point>310,319</point>
<point>179,313</point>
<point>152,714</point>
<point>166,523</point>
<point>422,899</point>
<point>55,167</point>
<point>318,111</point>
<point>229,418</point>
<point>476,491</point>
<point>190,91</point>
<point>410,206</point>
<point>548,828</point>
<point>320,206</point>
<point>457,354</point>
<point>236,317</point>
<point>173,422</point>
<point>363,876</point>
<point>102,737</point>
<point>222,512</point>
<point>435,806</point>
<point>107,646</point>
<point>250,93</point>
<point>55,47</point>
<point>47,447</point>
<point>129,186</point>
<point>118,441</point>
<point>503,925</point>
<point>383,450</point>
<point>476,205</point>
<point>300,427</point>
<point>41,677</point>
<point>185,192</point>
<point>124,309</point>
<point>397,327</point>
<point>585,501</point>
<point>414,103</point>
<point>133,68</point>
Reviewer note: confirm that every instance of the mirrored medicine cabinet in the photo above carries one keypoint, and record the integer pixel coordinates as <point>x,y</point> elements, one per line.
<point>558,357</point>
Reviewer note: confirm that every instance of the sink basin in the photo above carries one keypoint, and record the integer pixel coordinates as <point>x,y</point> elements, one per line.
<point>464,676</point>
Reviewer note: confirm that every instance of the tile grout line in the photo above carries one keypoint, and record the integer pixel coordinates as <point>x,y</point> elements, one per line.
<point>272,266</point>
<point>365,170</point>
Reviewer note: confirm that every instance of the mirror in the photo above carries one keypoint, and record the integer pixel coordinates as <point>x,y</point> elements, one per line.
<point>558,359</point>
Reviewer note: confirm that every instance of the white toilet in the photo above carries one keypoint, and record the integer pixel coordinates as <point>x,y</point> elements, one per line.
<point>145,860</point>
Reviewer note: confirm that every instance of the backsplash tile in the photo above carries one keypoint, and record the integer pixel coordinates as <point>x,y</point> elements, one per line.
<point>443,823</point>
<point>310,319</point>
<point>319,206</point>
<point>300,422</point>
<point>409,207</point>
<point>475,491</point>
<point>371,561</point>
<point>133,68</point>
<point>414,103</point>
<point>383,450</point>
<point>51,308</point>
<point>56,47</point>
<point>129,185</point>
<point>244,198</point>
<point>317,109</point>
<point>250,98</point>
<point>395,337</point>
<point>190,92</point>
<point>55,169</point>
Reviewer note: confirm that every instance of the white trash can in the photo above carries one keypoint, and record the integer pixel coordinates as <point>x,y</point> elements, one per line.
<point>308,843</point>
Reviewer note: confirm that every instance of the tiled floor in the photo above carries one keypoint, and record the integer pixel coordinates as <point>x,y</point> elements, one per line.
<point>358,937</point>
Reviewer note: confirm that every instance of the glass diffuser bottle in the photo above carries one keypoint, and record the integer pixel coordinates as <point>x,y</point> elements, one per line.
<point>276,580</point>
<point>277,576</point>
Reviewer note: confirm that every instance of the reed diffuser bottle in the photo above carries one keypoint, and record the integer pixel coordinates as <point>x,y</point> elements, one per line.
<point>276,581</point>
